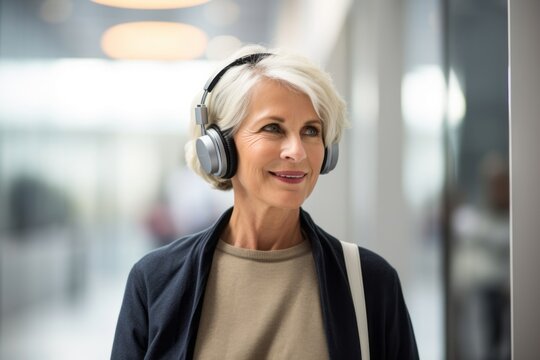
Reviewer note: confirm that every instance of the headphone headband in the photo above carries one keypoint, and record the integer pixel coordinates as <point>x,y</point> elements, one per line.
<point>248,59</point>
<point>201,113</point>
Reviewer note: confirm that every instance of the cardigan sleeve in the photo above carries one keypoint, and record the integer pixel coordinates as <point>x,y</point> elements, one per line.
<point>399,327</point>
<point>391,334</point>
<point>131,337</point>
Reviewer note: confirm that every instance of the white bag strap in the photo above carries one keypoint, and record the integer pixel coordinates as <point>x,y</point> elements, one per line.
<point>354,273</point>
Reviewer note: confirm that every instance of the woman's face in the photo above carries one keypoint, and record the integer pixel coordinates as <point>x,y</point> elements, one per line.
<point>280,148</point>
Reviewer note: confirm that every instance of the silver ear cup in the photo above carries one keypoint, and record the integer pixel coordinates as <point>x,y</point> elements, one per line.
<point>206,152</point>
<point>330,158</point>
<point>211,153</point>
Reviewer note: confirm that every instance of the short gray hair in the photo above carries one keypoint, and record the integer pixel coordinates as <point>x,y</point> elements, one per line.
<point>228,102</point>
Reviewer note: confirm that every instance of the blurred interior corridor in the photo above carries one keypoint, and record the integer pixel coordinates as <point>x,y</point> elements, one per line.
<point>92,172</point>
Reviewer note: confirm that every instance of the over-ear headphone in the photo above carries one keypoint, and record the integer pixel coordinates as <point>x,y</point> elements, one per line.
<point>216,149</point>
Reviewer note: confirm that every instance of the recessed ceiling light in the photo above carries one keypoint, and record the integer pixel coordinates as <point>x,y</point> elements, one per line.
<point>153,40</point>
<point>150,4</point>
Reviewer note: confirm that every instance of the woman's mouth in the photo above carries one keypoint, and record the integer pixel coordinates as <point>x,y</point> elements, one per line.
<point>289,177</point>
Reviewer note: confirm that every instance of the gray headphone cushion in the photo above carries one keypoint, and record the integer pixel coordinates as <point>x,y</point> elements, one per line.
<point>232,156</point>
<point>331,155</point>
<point>226,142</point>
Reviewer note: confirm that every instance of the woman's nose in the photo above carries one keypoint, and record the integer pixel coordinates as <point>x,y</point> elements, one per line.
<point>293,149</point>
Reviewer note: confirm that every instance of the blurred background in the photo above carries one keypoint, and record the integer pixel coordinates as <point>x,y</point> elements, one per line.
<point>95,105</point>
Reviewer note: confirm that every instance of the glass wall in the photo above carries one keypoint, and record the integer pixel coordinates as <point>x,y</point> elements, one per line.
<point>478,200</point>
<point>429,173</point>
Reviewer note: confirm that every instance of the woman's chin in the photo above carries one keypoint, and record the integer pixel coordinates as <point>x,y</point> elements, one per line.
<point>288,202</point>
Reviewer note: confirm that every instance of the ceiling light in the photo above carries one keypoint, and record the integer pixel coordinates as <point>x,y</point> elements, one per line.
<point>150,4</point>
<point>152,40</point>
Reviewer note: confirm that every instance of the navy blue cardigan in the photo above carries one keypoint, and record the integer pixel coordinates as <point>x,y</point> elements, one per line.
<point>163,299</point>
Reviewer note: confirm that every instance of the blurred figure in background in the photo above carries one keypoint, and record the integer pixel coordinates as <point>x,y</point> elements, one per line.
<point>481,266</point>
<point>185,205</point>
<point>34,204</point>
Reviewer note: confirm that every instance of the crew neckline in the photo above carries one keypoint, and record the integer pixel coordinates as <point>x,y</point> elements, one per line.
<point>265,255</point>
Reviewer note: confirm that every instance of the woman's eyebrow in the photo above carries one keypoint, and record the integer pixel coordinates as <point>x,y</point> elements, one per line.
<point>282,120</point>
<point>275,118</point>
<point>315,121</point>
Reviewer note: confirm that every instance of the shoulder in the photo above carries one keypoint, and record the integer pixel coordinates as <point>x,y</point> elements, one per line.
<point>382,284</point>
<point>180,261</point>
<point>163,263</point>
<point>373,264</point>
<point>377,268</point>
<point>381,281</point>
<point>376,271</point>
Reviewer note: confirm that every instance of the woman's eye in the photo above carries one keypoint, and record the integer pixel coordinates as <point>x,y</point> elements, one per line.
<point>273,128</point>
<point>312,131</point>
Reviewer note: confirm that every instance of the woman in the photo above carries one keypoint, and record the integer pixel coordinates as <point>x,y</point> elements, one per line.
<point>264,281</point>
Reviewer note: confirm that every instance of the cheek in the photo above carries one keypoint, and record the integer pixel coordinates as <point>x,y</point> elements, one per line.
<point>318,156</point>
<point>248,145</point>
<point>253,157</point>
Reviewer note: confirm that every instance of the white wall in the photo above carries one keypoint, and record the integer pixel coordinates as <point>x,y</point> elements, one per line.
<point>524,30</point>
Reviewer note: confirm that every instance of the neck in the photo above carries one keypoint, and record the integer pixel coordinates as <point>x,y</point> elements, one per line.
<point>263,229</point>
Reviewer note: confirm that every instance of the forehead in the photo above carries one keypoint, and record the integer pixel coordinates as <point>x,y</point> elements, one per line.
<point>271,96</point>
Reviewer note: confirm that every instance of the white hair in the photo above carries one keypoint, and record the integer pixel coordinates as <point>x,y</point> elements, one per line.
<point>228,102</point>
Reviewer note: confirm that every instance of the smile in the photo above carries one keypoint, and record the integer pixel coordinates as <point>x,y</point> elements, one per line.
<point>291,177</point>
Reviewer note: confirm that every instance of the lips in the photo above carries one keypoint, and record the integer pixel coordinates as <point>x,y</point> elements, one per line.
<point>290,177</point>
